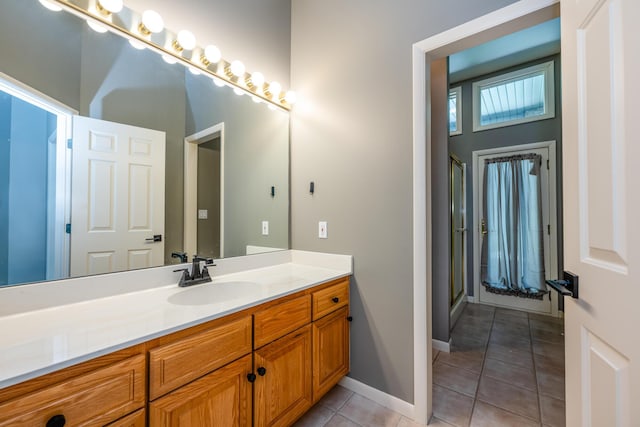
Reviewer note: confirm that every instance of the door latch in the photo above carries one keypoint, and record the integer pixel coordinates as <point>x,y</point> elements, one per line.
<point>154,239</point>
<point>568,286</point>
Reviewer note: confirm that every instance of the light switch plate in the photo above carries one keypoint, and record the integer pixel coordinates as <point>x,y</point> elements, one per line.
<point>265,228</point>
<point>322,229</point>
<point>203,214</point>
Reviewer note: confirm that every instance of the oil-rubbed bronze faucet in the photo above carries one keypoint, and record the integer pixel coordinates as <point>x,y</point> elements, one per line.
<point>196,276</point>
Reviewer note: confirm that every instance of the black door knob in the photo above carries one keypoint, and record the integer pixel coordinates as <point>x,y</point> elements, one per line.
<point>335,299</point>
<point>262,371</point>
<point>251,377</point>
<point>56,421</point>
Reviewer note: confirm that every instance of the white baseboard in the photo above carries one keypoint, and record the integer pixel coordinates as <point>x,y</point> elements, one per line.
<point>471,299</point>
<point>380,397</point>
<point>442,346</point>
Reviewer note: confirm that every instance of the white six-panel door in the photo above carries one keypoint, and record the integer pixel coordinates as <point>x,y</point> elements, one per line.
<point>601,128</point>
<point>117,200</point>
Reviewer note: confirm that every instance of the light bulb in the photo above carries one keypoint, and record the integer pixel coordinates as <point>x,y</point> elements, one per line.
<point>218,82</point>
<point>50,5</point>
<point>186,40</point>
<point>137,44</point>
<point>98,28</point>
<point>256,99</point>
<point>194,71</point>
<point>257,80</point>
<point>169,59</point>
<point>152,21</point>
<point>238,91</point>
<point>212,54</point>
<point>237,68</point>
<point>290,97</point>
<point>271,107</point>
<point>275,88</point>
<point>113,6</point>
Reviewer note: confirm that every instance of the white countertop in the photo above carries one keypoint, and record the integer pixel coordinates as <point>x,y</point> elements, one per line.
<point>36,342</point>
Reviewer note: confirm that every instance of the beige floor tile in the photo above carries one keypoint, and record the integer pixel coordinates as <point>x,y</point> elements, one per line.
<point>555,337</point>
<point>317,416</point>
<point>470,360</point>
<point>434,354</point>
<point>514,340</point>
<point>546,319</point>
<point>478,309</point>
<point>452,407</point>
<point>485,415</point>
<point>455,378</point>
<point>549,365</point>
<point>511,398</point>
<point>546,326</point>
<point>472,331</point>
<point>435,422</point>
<point>468,343</point>
<point>505,325</point>
<point>368,413</point>
<point>336,398</point>
<point>340,421</point>
<point>550,384</point>
<point>509,373</point>
<point>521,358</point>
<point>553,411</point>
<point>547,349</point>
<point>508,312</point>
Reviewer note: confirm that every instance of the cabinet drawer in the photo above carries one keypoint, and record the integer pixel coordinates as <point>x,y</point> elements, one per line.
<point>137,419</point>
<point>277,321</point>
<point>93,399</point>
<point>180,362</point>
<point>330,299</point>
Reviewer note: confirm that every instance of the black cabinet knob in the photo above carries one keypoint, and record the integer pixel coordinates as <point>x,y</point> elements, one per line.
<point>56,421</point>
<point>350,318</point>
<point>262,371</point>
<point>335,299</point>
<point>251,377</point>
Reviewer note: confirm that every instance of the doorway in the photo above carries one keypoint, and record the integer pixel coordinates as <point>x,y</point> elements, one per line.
<point>511,18</point>
<point>35,183</point>
<point>458,232</point>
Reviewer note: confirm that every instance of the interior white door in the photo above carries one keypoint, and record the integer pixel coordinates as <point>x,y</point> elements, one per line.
<point>117,197</point>
<point>458,231</point>
<point>548,304</point>
<point>601,101</point>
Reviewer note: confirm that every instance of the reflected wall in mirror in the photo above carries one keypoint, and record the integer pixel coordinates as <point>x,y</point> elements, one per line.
<point>101,76</point>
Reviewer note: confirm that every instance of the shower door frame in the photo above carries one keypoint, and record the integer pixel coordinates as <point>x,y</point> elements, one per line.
<point>552,270</point>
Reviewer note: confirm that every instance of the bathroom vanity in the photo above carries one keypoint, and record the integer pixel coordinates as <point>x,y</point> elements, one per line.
<point>258,346</point>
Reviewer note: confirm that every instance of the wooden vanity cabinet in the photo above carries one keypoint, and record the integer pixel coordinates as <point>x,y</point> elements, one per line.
<point>330,336</point>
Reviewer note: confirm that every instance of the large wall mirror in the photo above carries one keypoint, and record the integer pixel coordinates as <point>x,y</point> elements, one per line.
<point>161,161</point>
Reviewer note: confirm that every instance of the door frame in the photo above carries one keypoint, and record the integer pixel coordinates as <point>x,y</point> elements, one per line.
<point>517,16</point>
<point>191,142</point>
<point>58,254</point>
<point>553,212</point>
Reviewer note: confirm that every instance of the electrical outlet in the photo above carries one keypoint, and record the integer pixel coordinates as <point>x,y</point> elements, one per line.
<point>265,228</point>
<point>203,214</point>
<point>322,229</point>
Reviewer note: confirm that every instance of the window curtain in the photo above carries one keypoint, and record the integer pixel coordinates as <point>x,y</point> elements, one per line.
<point>512,248</point>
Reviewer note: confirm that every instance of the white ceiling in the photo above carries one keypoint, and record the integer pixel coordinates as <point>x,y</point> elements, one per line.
<point>525,45</point>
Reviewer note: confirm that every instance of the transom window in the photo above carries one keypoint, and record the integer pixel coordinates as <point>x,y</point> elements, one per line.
<point>455,110</point>
<point>521,96</point>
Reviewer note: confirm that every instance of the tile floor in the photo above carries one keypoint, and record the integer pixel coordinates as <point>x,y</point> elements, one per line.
<point>506,368</point>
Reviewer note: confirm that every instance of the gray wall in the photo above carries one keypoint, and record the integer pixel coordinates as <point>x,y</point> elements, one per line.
<point>5,134</point>
<point>352,135</point>
<point>463,146</point>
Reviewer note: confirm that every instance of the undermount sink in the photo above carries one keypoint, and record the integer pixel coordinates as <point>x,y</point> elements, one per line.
<point>213,292</point>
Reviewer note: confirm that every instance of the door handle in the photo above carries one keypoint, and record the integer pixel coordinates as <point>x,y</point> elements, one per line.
<point>154,239</point>
<point>568,286</point>
<point>483,227</point>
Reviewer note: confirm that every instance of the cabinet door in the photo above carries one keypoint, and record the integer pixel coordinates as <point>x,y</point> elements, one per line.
<point>283,385</point>
<point>330,351</point>
<point>219,399</point>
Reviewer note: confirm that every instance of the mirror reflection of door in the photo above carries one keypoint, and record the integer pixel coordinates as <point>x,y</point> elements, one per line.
<point>457,231</point>
<point>111,233</point>
<point>209,155</point>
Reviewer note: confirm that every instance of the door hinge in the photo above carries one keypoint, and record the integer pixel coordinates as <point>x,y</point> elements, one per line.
<point>70,143</point>
<point>67,228</point>
<point>549,229</point>
<point>547,164</point>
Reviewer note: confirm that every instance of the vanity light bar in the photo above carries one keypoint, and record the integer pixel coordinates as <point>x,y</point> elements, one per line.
<point>231,74</point>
